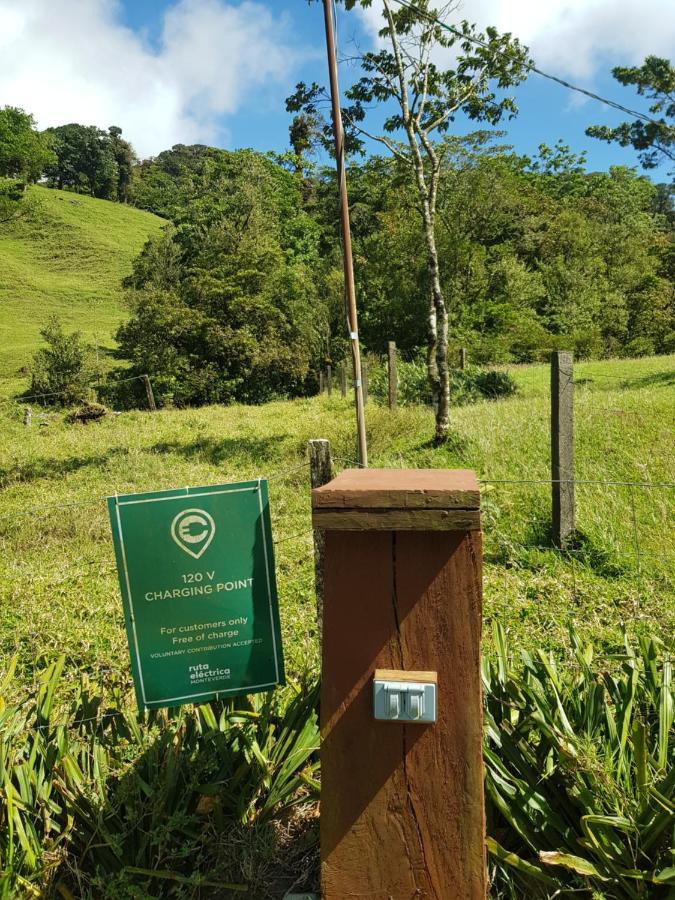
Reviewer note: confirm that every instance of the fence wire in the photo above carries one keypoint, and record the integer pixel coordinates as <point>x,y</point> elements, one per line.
<point>21,399</point>
<point>594,400</point>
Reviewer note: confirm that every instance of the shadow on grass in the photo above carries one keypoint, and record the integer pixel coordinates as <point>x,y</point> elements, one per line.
<point>657,379</point>
<point>454,445</point>
<point>219,450</point>
<point>537,548</point>
<point>55,468</point>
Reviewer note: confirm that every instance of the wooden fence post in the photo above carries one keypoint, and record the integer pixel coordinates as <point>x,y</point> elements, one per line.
<point>402,812</point>
<point>28,416</point>
<point>562,447</point>
<point>321,472</point>
<point>343,378</point>
<point>364,380</point>
<point>329,380</point>
<point>462,358</point>
<point>393,380</point>
<point>150,395</point>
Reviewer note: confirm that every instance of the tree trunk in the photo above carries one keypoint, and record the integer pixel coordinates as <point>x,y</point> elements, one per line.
<point>437,338</point>
<point>443,411</point>
<point>437,321</point>
<point>432,347</point>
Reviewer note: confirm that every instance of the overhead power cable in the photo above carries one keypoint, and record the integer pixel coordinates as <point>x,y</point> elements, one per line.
<point>530,66</point>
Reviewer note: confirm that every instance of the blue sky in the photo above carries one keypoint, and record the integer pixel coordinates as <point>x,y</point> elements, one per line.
<point>217,71</point>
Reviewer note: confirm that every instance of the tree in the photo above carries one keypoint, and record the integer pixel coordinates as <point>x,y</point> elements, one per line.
<point>125,158</point>
<point>63,369</point>
<point>24,152</point>
<point>85,160</point>
<point>654,140</point>
<point>226,303</point>
<point>421,99</point>
<point>12,203</point>
<point>535,253</point>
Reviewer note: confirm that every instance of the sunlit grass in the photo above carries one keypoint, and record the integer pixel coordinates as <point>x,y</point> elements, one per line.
<point>67,257</point>
<point>59,587</point>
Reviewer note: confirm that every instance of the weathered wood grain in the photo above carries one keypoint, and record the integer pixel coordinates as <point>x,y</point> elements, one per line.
<point>562,447</point>
<point>402,675</point>
<point>397,519</point>
<point>402,812</point>
<point>400,489</point>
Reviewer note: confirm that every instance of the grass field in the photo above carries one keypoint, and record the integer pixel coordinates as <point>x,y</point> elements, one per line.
<point>67,256</point>
<point>104,797</point>
<point>57,577</point>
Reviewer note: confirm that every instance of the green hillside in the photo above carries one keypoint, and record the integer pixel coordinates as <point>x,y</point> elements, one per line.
<point>68,256</point>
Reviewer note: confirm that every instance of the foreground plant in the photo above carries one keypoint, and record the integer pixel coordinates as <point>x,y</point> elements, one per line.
<point>579,761</point>
<point>580,772</point>
<point>113,804</point>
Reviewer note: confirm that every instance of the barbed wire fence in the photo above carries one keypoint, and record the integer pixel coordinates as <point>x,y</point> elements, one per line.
<point>108,567</point>
<point>632,552</point>
<point>609,415</point>
<point>46,399</point>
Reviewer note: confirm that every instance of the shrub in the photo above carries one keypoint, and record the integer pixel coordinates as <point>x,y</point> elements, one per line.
<point>580,772</point>
<point>88,412</point>
<point>61,371</point>
<point>492,384</point>
<point>11,199</point>
<point>114,804</point>
<point>466,385</point>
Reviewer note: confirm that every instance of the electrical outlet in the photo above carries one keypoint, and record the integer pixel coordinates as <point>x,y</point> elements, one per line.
<point>404,701</point>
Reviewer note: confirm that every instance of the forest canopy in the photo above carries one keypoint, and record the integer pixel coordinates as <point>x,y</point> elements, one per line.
<point>241,297</point>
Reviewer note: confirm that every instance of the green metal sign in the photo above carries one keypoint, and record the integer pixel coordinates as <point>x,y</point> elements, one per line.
<point>196,570</point>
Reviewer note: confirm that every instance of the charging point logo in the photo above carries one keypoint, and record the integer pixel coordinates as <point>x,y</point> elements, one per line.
<point>193,531</point>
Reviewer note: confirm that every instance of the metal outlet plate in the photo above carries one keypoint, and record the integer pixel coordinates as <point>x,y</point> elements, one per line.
<point>404,701</point>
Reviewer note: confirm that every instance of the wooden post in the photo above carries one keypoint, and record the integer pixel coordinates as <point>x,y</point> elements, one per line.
<point>462,358</point>
<point>562,447</point>
<point>149,393</point>
<point>28,416</point>
<point>329,380</point>
<point>343,379</point>
<point>321,472</point>
<point>402,812</point>
<point>321,382</point>
<point>393,380</point>
<point>364,380</point>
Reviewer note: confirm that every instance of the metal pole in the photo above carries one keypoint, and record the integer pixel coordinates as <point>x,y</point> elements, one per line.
<point>347,261</point>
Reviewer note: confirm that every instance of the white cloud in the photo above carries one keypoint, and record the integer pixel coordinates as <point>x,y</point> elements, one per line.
<point>73,61</point>
<point>573,37</point>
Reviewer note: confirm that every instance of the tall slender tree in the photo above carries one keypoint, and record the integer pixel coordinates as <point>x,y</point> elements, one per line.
<point>425,72</point>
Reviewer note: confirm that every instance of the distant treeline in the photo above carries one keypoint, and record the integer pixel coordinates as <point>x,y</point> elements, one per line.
<point>241,297</point>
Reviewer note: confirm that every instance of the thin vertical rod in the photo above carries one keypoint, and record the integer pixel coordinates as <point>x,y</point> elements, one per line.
<point>347,260</point>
